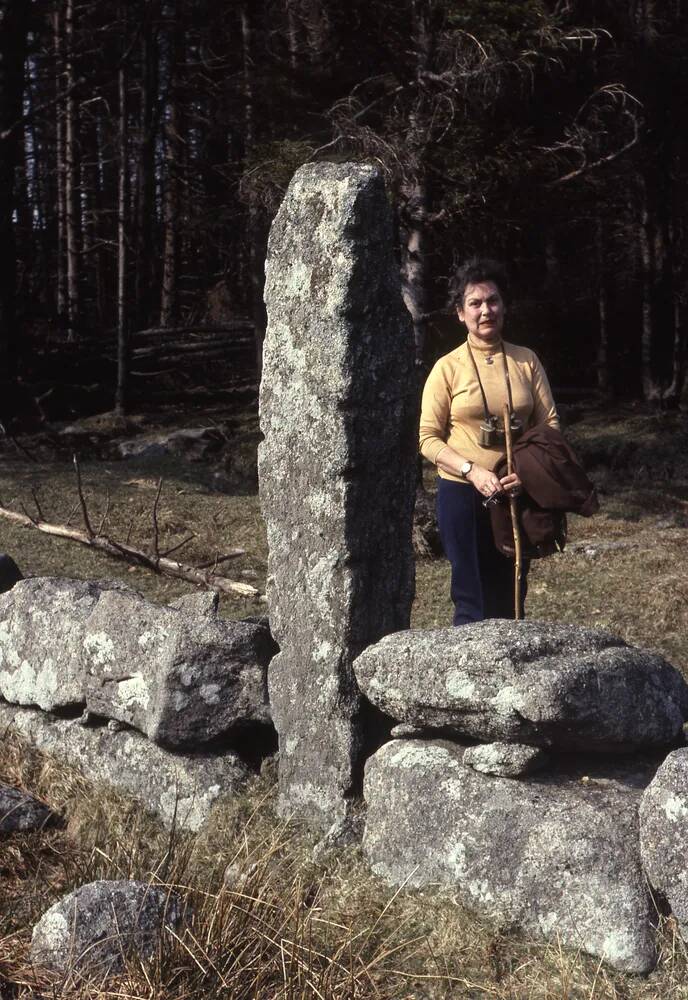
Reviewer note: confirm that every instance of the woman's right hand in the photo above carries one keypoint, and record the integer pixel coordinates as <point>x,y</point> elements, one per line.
<point>484,481</point>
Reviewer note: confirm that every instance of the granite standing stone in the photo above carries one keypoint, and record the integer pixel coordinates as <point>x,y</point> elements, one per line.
<point>338,405</point>
<point>556,856</point>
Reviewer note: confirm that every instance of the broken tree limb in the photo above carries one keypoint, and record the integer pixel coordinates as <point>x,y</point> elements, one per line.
<point>127,553</point>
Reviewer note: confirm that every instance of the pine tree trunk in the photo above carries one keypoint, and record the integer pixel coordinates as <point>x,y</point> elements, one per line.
<point>602,365</point>
<point>39,198</point>
<point>256,237</point>
<point>60,171</point>
<point>13,34</point>
<point>145,180</point>
<point>168,298</point>
<point>72,216</point>
<point>292,35</point>
<point>414,279</point>
<point>646,236</point>
<point>122,204</point>
<point>673,393</point>
<point>416,194</point>
<point>93,205</point>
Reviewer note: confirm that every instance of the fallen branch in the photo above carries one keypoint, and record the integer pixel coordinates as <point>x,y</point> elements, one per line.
<point>127,553</point>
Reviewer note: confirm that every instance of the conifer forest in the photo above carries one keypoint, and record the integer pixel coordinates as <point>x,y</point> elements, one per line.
<point>145,147</point>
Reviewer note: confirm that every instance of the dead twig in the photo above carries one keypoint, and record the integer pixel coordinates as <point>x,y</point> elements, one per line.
<point>179,545</point>
<point>34,494</point>
<point>118,550</point>
<point>156,532</point>
<point>17,444</point>
<point>82,500</point>
<point>26,513</point>
<point>71,513</point>
<point>212,563</point>
<point>105,516</point>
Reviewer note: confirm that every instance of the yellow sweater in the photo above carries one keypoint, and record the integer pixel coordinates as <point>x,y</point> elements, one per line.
<point>452,407</point>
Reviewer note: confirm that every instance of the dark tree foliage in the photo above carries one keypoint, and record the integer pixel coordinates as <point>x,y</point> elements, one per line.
<point>146,146</point>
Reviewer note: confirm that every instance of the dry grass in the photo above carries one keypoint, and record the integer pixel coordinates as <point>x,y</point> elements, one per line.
<point>282,925</point>
<point>270,922</point>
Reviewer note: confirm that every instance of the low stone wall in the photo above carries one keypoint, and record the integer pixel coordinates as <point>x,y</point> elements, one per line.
<point>179,788</point>
<point>538,831</point>
<point>163,691</point>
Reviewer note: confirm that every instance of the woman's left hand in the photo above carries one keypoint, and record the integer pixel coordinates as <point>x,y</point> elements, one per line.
<point>512,484</point>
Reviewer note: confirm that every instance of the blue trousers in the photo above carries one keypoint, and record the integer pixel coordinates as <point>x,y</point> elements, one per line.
<point>482,579</point>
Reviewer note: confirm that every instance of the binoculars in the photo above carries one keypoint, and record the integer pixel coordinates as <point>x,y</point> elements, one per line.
<point>491,434</point>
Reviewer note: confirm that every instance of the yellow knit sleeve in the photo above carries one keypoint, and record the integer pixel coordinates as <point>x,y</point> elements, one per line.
<point>434,412</point>
<point>544,408</point>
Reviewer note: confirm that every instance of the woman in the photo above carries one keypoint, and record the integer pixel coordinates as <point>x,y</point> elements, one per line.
<point>461,432</point>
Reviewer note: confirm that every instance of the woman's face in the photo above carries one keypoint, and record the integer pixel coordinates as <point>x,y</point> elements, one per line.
<point>483,311</point>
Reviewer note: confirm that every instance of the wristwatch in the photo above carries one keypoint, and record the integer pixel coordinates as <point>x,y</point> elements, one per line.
<point>466,468</point>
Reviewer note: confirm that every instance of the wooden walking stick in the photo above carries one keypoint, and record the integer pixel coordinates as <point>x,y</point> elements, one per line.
<point>515,527</point>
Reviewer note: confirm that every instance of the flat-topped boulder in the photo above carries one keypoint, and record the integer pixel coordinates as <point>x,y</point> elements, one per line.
<point>556,856</point>
<point>541,683</point>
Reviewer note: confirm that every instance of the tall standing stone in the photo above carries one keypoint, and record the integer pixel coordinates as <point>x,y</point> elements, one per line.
<point>338,412</point>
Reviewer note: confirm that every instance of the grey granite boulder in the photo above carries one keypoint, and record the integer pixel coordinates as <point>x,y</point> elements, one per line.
<point>95,929</point>
<point>9,572</point>
<point>556,856</point>
<point>338,402</point>
<point>532,682</point>
<point>42,624</point>
<point>180,674</point>
<point>507,760</point>
<point>22,812</point>
<point>201,602</point>
<point>664,834</point>
<point>190,443</point>
<point>180,788</point>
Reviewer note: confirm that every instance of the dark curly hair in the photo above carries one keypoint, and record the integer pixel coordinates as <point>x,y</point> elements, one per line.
<point>474,272</point>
